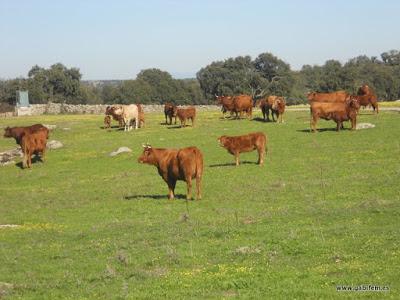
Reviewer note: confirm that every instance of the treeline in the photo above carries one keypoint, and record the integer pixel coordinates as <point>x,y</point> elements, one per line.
<point>265,75</point>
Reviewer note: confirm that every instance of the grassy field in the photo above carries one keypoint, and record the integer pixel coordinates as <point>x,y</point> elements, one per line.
<point>323,211</point>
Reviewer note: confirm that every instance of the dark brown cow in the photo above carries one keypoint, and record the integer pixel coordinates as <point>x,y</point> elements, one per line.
<point>277,106</point>
<point>339,96</point>
<point>33,143</point>
<point>176,164</point>
<point>111,111</point>
<point>226,103</point>
<point>243,104</point>
<point>366,96</point>
<point>245,143</point>
<point>17,132</point>
<point>338,112</point>
<point>186,113</point>
<point>170,111</point>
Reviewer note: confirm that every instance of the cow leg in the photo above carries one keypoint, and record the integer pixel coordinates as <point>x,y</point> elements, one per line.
<point>171,189</point>
<point>338,125</point>
<point>24,161</point>
<point>237,158</point>
<point>43,154</point>
<point>198,186</point>
<point>314,121</point>
<point>189,187</point>
<point>261,152</point>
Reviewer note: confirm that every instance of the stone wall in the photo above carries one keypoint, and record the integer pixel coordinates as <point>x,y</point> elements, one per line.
<point>57,108</point>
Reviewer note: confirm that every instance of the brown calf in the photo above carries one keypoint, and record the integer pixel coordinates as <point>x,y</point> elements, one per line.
<point>33,143</point>
<point>245,143</point>
<point>185,114</point>
<point>176,164</point>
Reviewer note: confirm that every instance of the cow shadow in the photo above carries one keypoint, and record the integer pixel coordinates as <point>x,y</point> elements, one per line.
<point>111,127</point>
<point>34,160</point>
<point>154,197</point>
<point>258,119</point>
<point>322,130</point>
<point>246,162</point>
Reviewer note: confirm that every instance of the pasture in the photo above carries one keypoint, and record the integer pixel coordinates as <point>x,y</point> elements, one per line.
<point>323,211</point>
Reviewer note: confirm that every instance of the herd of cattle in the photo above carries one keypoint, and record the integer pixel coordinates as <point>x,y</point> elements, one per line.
<point>187,163</point>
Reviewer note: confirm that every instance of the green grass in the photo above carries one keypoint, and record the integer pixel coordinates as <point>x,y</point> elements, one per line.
<point>323,211</point>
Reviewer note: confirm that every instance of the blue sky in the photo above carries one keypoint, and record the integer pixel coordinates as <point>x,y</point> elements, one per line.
<point>117,39</point>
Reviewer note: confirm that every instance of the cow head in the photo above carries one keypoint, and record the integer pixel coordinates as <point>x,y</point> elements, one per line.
<point>222,140</point>
<point>353,102</point>
<point>148,156</point>
<point>7,132</point>
<point>278,102</point>
<point>364,90</point>
<point>311,95</point>
<point>115,110</point>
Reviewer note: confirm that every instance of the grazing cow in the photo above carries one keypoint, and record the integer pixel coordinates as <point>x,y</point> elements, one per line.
<point>129,114</point>
<point>277,106</point>
<point>337,111</point>
<point>33,143</point>
<point>185,114</point>
<point>366,96</point>
<point>245,143</point>
<point>176,164</point>
<point>339,96</point>
<point>243,103</point>
<point>111,111</point>
<point>226,103</point>
<point>107,121</point>
<point>17,132</point>
<point>170,111</point>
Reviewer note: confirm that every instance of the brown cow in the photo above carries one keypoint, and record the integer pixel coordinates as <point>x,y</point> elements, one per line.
<point>277,106</point>
<point>107,121</point>
<point>141,116</point>
<point>33,143</point>
<point>170,111</point>
<point>176,164</point>
<point>17,132</point>
<point>339,96</point>
<point>185,114</point>
<point>339,112</point>
<point>241,104</point>
<point>226,103</point>
<point>245,143</point>
<point>366,96</point>
<point>111,111</point>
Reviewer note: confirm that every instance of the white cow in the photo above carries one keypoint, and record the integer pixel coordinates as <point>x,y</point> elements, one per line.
<point>130,113</point>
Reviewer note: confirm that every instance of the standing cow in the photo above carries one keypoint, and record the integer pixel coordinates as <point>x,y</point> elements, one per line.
<point>170,111</point>
<point>33,143</point>
<point>176,164</point>
<point>337,111</point>
<point>186,113</point>
<point>276,105</point>
<point>129,114</point>
<point>245,143</point>
<point>366,96</point>
<point>226,103</point>
<point>243,104</point>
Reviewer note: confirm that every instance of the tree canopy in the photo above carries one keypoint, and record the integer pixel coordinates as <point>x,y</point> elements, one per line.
<point>264,75</point>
